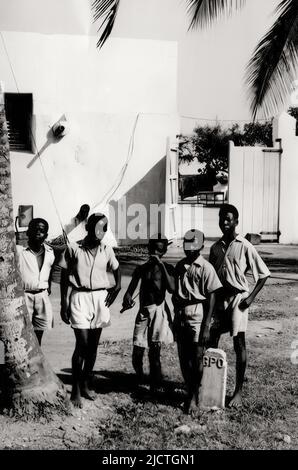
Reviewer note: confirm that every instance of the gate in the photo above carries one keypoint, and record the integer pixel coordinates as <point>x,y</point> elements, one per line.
<point>254,188</point>
<point>178,217</point>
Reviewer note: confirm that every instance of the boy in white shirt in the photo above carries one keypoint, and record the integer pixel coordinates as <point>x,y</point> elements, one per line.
<point>35,262</point>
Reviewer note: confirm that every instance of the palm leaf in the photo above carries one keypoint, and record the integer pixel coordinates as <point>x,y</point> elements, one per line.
<point>204,12</point>
<point>272,67</point>
<point>106,11</point>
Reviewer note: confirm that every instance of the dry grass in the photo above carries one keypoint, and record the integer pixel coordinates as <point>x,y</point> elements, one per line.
<point>125,417</point>
<point>269,413</point>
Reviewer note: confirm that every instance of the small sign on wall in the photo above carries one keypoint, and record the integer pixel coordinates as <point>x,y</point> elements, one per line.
<point>25,215</point>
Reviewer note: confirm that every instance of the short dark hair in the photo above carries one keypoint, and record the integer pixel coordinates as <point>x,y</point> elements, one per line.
<point>34,222</point>
<point>94,218</point>
<point>158,238</point>
<point>226,208</point>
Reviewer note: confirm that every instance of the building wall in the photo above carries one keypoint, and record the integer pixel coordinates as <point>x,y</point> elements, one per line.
<point>121,98</point>
<point>48,17</point>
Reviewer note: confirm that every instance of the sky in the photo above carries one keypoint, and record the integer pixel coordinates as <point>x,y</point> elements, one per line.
<point>211,63</point>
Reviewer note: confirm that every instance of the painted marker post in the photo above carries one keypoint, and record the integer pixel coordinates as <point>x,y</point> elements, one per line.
<point>213,387</point>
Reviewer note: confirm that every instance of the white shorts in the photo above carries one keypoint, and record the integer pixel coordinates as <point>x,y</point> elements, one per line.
<point>88,310</point>
<point>40,310</point>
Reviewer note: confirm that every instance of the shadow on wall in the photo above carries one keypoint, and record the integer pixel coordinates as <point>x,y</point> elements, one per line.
<point>140,211</point>
<point>51,139</point>
<point>80,218</point>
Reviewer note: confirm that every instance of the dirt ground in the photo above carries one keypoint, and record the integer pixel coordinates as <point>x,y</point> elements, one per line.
<point>273,317</point>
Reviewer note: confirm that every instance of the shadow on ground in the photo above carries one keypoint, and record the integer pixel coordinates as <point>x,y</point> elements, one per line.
<point>170,393</point>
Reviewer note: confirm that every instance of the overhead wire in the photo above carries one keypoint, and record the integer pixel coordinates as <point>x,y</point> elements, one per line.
<point>115,186</point>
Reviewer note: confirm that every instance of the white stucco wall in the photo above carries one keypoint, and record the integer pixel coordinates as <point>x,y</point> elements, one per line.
<point>101,94</point>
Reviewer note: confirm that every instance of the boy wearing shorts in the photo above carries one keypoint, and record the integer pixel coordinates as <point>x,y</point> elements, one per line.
<point>232,256</point>
<point>87,309</point>
<point>35,263</point>
<point>153,322</point>
<point>194,300</point>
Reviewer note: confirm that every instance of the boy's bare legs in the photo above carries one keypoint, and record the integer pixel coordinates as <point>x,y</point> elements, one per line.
<point>186,352</point>
<point>137,362</point>
<point>195,378</point>
<point>155,365</point>
<point>93,340</point>
<point>183,359</point>
<point>39,334</point>
<point>214,338</point>
<point>241,358</point>
<point>79,355</point>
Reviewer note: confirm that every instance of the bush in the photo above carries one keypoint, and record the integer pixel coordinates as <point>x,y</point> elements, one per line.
<point>210,144</point>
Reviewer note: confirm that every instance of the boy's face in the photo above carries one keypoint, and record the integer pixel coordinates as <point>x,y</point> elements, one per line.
<point>157,248</point>
<point>37,232</point>
<point>96,230</point>
<point>191,249</point>
<point>227,222</point>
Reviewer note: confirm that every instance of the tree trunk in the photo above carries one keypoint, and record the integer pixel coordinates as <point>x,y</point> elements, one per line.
<point>29,386</point>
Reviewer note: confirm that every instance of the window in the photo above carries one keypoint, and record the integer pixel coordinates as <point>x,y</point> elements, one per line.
<point>18,109</point>
<point>205,189</point>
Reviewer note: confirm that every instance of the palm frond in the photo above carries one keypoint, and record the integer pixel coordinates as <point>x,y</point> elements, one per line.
<point>272,68</point>
<point>106,11</point>
<point>204,12</point>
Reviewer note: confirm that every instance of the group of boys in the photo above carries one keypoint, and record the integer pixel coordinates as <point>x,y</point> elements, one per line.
<point>209,298</point>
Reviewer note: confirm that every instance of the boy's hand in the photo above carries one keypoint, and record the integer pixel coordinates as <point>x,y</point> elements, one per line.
<point>204,337</point>
<point>112,294</point>
<point>64,313</point>
<point>127,303</point>
<point>245,303</point>
<point>156,259</point>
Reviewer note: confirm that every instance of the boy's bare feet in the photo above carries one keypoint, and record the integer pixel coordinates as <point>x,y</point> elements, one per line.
<point>236,401</point>
<point>76,400</point>
<point>87,393</point>
<point>76,397</point>
<point>190,406</point>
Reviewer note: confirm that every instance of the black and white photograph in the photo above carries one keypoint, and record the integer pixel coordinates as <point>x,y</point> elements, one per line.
<point>149,228</point>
